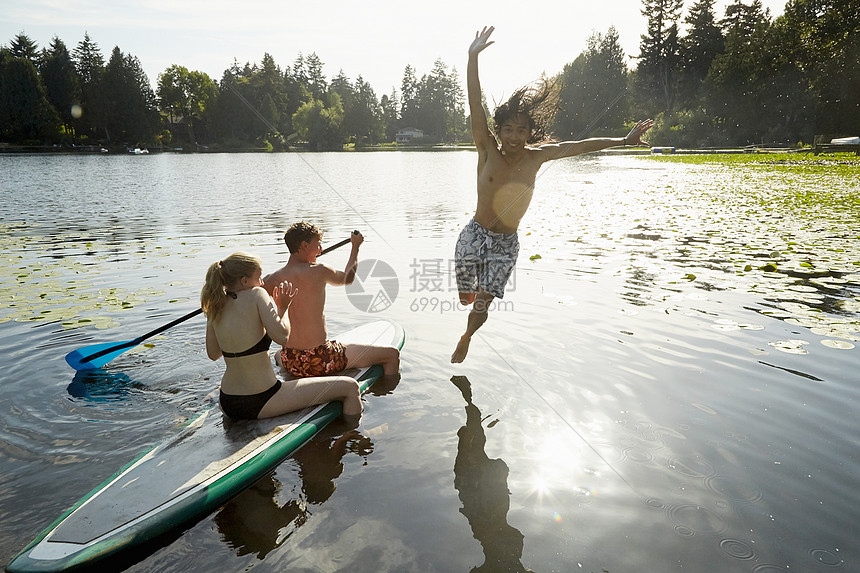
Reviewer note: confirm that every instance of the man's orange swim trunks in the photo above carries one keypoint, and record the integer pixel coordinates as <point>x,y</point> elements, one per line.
<point>326,359</point>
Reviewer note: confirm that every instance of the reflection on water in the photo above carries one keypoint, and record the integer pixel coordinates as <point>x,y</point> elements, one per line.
<point>101,386</point>
<point>483,487</point>
<point>258,520</point>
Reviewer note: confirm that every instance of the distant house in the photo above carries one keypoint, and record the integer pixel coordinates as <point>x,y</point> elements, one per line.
<point>407,134</point>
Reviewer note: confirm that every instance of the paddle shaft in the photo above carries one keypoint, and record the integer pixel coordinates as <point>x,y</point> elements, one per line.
<point>338,245</point>
<point>192,314</point>
<point>139,339</point>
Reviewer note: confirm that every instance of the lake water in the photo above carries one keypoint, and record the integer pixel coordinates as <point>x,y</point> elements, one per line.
<point>670,383</point>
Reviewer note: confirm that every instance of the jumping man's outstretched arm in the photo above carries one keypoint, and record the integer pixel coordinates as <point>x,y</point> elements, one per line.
<point>569,148</point>
<point>480,130</point>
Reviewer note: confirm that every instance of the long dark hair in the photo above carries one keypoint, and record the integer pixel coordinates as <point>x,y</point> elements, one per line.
<point>538,102</point>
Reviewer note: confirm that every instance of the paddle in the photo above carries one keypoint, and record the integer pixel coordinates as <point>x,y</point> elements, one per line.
<point>338,245</point>
<point>97,355</point>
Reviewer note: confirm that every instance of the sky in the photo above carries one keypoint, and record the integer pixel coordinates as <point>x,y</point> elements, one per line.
<point>374,39</point>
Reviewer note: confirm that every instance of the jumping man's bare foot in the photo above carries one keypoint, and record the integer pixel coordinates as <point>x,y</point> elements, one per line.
<point>461,350</point>
<point>467,298</point>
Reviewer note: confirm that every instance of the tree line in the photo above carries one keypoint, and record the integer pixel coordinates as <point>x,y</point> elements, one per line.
<point>737,79</point>
<point>750,78</point>
<point>708,80</point>
<point>61,96</point>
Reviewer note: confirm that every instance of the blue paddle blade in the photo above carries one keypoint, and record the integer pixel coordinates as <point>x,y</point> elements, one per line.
<point>81,359</point>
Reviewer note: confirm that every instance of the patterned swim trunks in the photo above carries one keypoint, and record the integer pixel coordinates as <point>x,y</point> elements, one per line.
<point>327,358</point>
<point>484,259</point>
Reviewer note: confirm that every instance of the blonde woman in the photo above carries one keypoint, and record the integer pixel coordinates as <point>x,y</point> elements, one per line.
<point>242,320</point>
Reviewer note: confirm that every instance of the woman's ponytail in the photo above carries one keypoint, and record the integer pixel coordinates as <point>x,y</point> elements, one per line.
<point>224,274</point>
<point>212,297</point>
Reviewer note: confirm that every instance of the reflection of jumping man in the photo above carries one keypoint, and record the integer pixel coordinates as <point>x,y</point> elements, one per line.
<point>487,248</point>
<point>483,487</point>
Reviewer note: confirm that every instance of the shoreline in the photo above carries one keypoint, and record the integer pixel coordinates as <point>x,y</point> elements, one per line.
<point>656,151</point>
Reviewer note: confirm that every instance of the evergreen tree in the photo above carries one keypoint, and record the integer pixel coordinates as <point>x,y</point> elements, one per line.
<point>316,82</point>
<point>233,117</point>
<point>257,102</point>
<point>744,19</point>
<point>368,119</point>
<point>270,112</point>
<point>269,92</point>
<point>341,85</point>
<point>574,99</point>
<point>300,73</point>
<point>659,54</point>
<point>62,86</point>
<point>409,98</point>
<point>593,89</point>
<point>296,93</point>
<point>787,95</point>
<point>825,46</point>
<point>88,60</point>
<point>25,113</point>
<point>436,104</point>
<point>703,42</point>
<point>457,128</point>
<point>739,77</point>
<point>431,102</point>
<point>131,116</point>
<point>390,115</point>
<point>22,46</point>
<point>89,64</point>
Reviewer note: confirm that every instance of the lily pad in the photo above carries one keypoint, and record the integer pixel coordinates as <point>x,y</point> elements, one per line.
<point>838,344</point>
<point>790,346</point>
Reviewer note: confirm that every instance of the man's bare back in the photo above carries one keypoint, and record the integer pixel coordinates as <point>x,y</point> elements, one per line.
<point>308,349</point>
<point>310,278</point>
<point>309,316</point>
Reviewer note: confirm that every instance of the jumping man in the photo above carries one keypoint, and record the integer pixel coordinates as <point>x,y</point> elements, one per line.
<point>487,248</point>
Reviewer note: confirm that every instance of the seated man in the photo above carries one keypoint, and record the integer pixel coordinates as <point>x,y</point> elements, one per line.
<point>308,351</point>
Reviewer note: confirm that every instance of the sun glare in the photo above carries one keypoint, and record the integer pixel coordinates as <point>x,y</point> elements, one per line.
<point>557,469</point>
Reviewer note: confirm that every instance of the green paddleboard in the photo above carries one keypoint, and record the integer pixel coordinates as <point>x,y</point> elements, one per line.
<point>186,477</point>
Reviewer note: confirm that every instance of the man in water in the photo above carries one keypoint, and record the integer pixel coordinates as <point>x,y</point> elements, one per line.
<point>308,351</point>
<point>487,248</point>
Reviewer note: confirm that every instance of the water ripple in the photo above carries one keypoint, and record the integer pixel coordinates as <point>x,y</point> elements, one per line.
<point>737,549</point>
<point>733,488</point>
<point>695,518</point>
<point>826,557</point>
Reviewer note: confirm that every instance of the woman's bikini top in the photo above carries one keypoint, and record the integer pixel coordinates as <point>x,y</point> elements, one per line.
<point>261,346</point>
